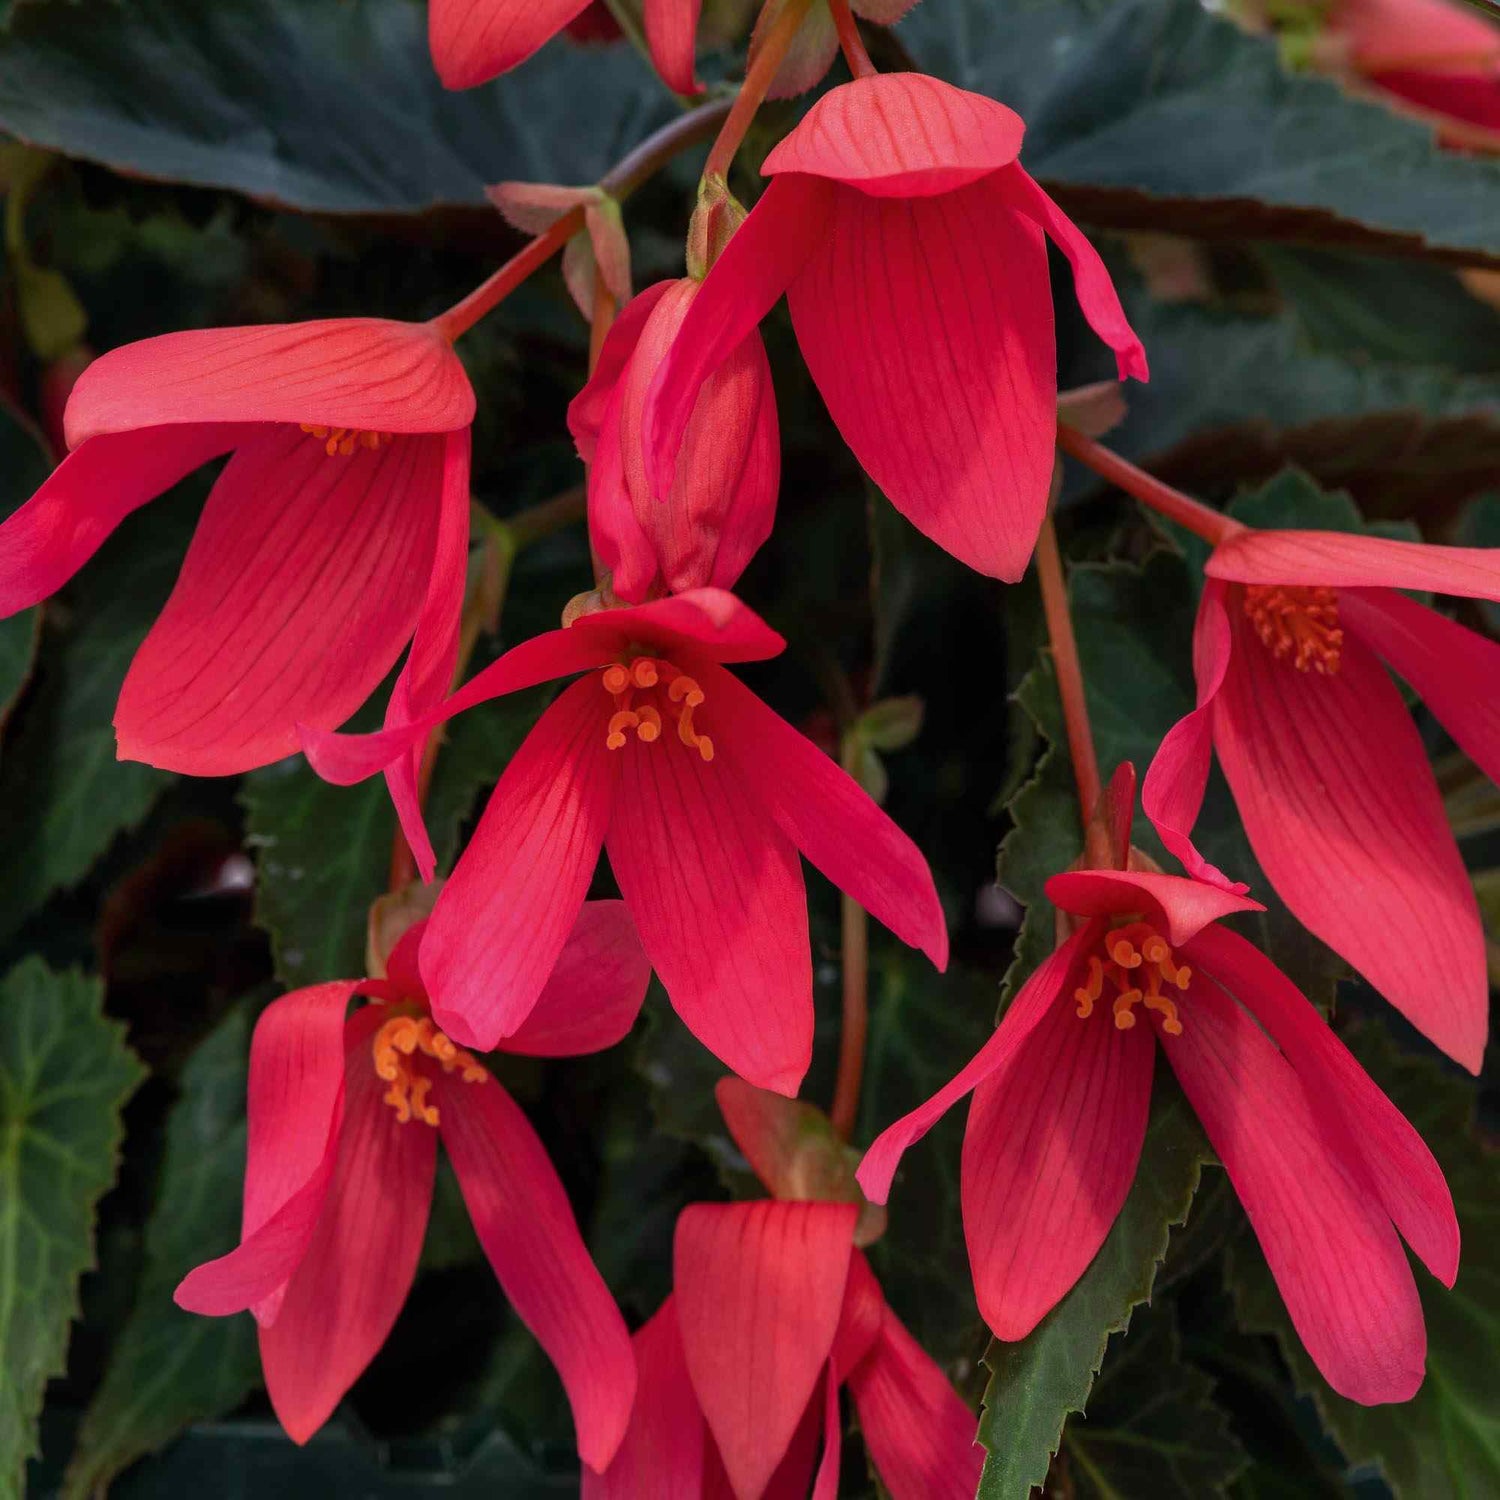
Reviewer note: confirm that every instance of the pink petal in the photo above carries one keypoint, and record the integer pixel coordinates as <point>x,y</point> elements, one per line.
<point>1336,1259</point>
<point>372,374</point>
<point>663,1450</point>
<point>1049,1155</point>
<point>705,623</point>
<point>359,1266</point>
<point>824,811</point>
<point>901,135</point>
<point>671,29</point>
<point>302,584</point>
<point>595,992</point>
<point>503,918</point>
<point>774,1134</point>
<point>619,537</point>
<point>295,1100</point>
<point>586,412</point>
<point>45,542</point>
<point>1181,906</point>
<point>861,1317</point>
<point>826,1485</point>
<point>1341,808</point>
<point>1096,292</point>
<point>1341,559</point>
<point>1383,33</point>
<point>474,40</point>
<point>920,1436</point>
<point>526,1225</point>
<point>759,1287</point>
<point>1347,1102</point>
<point>927,325</point>
<point>1442,660</point>
<point>716,892</point>
<point>766,253</point>
<point>1037,997</point>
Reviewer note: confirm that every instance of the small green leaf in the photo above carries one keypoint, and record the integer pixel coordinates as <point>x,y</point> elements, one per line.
<point>65,1074</point>
<point>52,317</point>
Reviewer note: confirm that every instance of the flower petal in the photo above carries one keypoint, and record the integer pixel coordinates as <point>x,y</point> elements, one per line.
<point>920,1435</point>
<point>359,1266</point>
<point>778,1137</point>
<point>505,914</point>
<point>759,1288</point>
<point>303,582</point>
<point>826,1485</point>
<point>1037,997</point>
<point>671,30</point>
<point>1331,1247</point>
<point>49,538</point>
<point>474,40</point>
<point>717,895</point>
<point>1349,1105</point>
<point>593,994</point>
<point>824,811</point>
<point>861,1317</point>
<point>586,411</point>
<point>901,135</point>
<point>372,374</point>
<point>706,623</point>
<point>1184,907</point>
<point>295,1100</point>
<point>927,325</point>
<point>1343,813</point>
<point>526,1225</point>
<point>1049,1154</point>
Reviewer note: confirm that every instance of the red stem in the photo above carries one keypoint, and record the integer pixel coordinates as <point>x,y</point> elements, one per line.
<point>850,41</point>
<point>758,78</point>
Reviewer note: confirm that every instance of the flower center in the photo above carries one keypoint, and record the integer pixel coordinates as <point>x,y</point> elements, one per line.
<point>648,691</point>
<point>397,1046</point>
<point>1297,623</point>
<point>1136,961</point>
<point>344,440</point>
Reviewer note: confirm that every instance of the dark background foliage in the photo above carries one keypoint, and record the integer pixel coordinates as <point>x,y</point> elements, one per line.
<point>1316,284</point>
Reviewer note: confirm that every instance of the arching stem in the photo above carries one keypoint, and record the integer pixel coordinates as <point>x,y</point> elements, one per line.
<point>850,42</point>
<point>758,79</point>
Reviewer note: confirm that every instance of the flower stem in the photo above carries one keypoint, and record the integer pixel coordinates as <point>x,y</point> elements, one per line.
<point>850,41</point>
<point>619,182</point>
<point>758,79</point>
<point>854,928</point>
<point>1212,525</point>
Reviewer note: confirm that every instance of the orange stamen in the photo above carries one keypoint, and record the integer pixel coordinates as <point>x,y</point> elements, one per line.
<point>344,440</point>
<point>1138,961</point>
<point>623,682</point>
<point>395,1048</point>
<point>1297,624</point>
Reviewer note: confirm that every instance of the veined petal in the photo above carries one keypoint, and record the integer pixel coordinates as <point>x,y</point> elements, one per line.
<point>505,914</point>
<point>759,1287</point>
<point>622,542</point>
<point>671,30</point>
<point>1184,907</point>
<point>707,623</point>
<point>349,1287</point>
<point>474,40</point>
<point>862,1315</point>
<point>295,1101</point>
<point>1038,995</point>
<point>716,891</point>
<point>900,135</point>
<point>1337,1260</point>
<point>1343,559</point>
<point>1049,1155</point>
<point>370,374</point>
<point>586,411</point>
<point>826,1484</point>
<point>824,811</point>
<point>593,995</point>
<point>927,325</point>
<point>302,584</point>
<point>45,542</point>
<point>1343,812</point>
<point>526,1225</point>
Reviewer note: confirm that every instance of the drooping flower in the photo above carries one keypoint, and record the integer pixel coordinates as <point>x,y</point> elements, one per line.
<point>723,499</point>
<point>337,532</point>
<point>1333,785</point>
<point>911,245</point>
<point>703,797</point>
<point>1331,1174</point>
<point>345,1116</point>
<point>775,1308</point>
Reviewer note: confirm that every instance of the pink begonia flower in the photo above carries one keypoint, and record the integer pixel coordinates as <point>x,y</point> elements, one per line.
<point>1331,1174</point>
<point>723,499</point>
<point>703,797</point>
<point>1294,635</point>
<point>911,245</point>
<point>337,533</point>
<point>345,1116</point>
<point>774,1310</point>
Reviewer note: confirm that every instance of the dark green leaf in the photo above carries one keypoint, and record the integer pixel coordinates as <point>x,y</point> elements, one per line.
<point>65,1073</point>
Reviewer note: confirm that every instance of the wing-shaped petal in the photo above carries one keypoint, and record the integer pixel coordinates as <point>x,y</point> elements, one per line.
<point>474,40</point>
<point>1183,907</point>
<point>671,30</point>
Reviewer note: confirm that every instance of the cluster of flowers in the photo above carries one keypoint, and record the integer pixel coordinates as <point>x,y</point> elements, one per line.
<point>911,245</point>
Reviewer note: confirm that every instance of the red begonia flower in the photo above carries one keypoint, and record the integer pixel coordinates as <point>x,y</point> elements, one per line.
<point>339,1173</point>
<point>1331,1174</point>
<point>723,500</point>
<point>911,245</point>
<point>1330,776</point>
<point>774,1309</point>
<point>703,797</point>
<point>337,532</point>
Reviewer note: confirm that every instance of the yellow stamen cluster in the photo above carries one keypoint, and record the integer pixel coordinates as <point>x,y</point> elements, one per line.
<point>1297,624</point>
<point>396,1047</point>
<point>1137,960</point>
<point>344,440</point>
<point>646,674</point>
